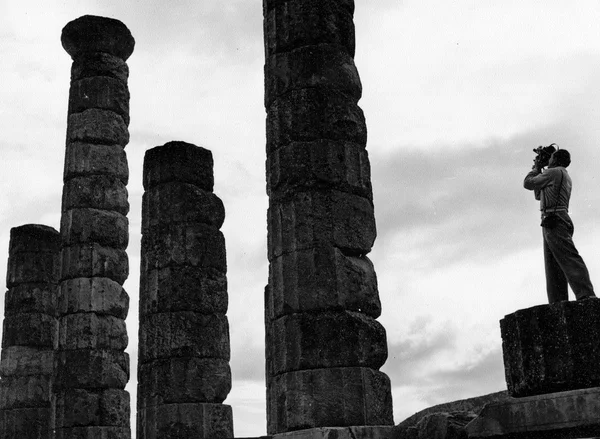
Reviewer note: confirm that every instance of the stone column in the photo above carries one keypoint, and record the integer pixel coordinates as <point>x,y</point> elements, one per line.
<point>324,347</point>
<point>183,369</point>
<point>30,334</point>
<point>92,367</point>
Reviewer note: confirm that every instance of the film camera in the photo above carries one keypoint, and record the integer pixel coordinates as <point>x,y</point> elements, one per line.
<point>543,154</point>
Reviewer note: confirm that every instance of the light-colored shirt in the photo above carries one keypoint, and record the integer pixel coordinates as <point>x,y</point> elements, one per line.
<point>553,194</point>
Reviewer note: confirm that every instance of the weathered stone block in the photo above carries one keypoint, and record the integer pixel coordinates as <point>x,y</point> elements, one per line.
<point>183,380</point>
<point>102,127</point>
<point>25,392</point>
<point>91,33</point>
<point>31,298</point>
<point>26,361</point>
<point>34,267</point>
<point>357,432</point>
<point>92,331</point>
<point>90,64</point>
<point>85,225</point>
<point>335,397</point>
<point>313,114</point>
<point>564,415</point>
<point>185,421</point>
<point>96,294</point>
<point>86,160</point>
<point>91,369</point>
<point>196,245</point>
<point>96,191</point>
<point>321,340</point>
<point>330,164</point>
<point>93,433</point>
<point>184,334</point>
<point>176,203</point>
<point>407,429</point>
<point>26,423</point>
<point>551,348</point>
<point>317,219</point>
<point>289,25</point>
<point>35,330</point>
<point>103,408</point>
<point>94,260</point>
<point>33,238</point>
<point>321,279</point>
<point>439,425</point>
<point>100,92</point>
<point>183,289</point>
<point>179,161</point>
<point>347,5</point>
<point>322,65</point>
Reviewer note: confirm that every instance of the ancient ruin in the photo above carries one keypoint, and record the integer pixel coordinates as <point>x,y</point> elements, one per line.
<point>183,369</point>
<point>30,333</point>
<point>323,347</point>
<point>92,367</point>
<point>63,365</point>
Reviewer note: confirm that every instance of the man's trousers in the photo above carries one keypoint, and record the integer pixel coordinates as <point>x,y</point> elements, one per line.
<point>564,266</point>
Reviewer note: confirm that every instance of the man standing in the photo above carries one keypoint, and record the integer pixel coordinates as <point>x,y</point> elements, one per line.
<point>564,266</point>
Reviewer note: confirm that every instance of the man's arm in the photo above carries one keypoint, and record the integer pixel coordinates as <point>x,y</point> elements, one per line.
<point>535,180</point>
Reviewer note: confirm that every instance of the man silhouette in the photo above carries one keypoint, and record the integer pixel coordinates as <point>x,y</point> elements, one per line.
<point>564,266</point>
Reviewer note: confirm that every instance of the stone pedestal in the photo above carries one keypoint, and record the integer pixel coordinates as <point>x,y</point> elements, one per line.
<point>552,348</point>
<point>550,351</point>
<point>30,333</point>
<point>183,368</point>
<point>563,415</point>
<point>92,367</point>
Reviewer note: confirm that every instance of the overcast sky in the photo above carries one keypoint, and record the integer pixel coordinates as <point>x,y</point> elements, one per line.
<point>456,95</point>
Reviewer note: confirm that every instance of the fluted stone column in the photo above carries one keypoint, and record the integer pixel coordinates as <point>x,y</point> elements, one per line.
<point>30,333</point>
<point>92,367</point>
<point>324,346</point>
<point>183,369</point>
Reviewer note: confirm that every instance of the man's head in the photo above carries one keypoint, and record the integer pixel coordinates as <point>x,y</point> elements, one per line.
<point>560,158</point>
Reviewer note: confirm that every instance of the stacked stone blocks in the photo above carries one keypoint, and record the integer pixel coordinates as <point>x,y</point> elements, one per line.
<point>324,347</point>
<point>92,367</point>
<point>30,333</point>
<point>183,370</point>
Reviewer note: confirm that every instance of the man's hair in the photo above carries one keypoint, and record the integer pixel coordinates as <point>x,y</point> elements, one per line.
<point>562,158</point>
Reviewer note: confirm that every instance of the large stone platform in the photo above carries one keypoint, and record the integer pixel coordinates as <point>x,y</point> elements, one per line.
<point>564,415</point>
<point>552,348</point>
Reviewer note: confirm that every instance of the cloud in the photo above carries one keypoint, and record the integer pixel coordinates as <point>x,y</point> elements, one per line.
<point>452,203</point>
<point>231,32</point>
<point>434,365</point>
<point>410,358</point>
<point>248,359</point>
<point>477,376</point>
<point>458,198</point>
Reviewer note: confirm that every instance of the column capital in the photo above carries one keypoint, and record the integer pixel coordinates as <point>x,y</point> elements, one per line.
<point>91,33</point>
